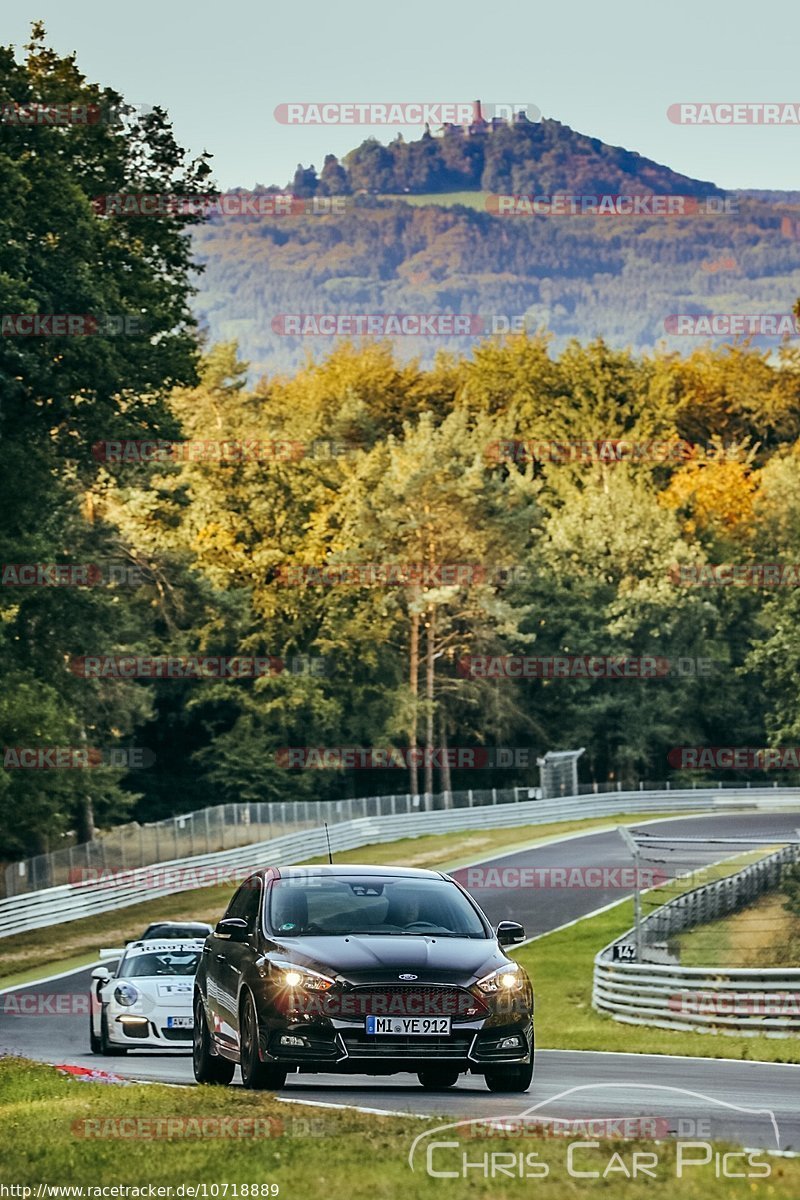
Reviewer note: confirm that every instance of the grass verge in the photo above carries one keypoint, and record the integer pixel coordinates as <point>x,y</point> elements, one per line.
<point>56,1132</point>
<point>561,965</point>
<point>763,935</point>
<point>27,956</point>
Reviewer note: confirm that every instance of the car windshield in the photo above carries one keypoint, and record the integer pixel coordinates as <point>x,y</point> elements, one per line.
<point>165,962</point>
<point>320,906</point>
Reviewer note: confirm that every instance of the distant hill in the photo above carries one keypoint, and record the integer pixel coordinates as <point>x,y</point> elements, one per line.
<point>420,234</point>
<point>496,156</point>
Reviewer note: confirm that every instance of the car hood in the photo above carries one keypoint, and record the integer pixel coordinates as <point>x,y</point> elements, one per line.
<point>367,959</point>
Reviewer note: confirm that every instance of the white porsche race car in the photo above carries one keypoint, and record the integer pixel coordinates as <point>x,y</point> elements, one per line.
<point>147,1002</point>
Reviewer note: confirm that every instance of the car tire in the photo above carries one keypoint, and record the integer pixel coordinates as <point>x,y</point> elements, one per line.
<point>437,1079</point>
<point>510,1079</point>
<point>107,1047</point>
<point>95,1044</point>
<point>255,1073</point>
<point>208,1067</point>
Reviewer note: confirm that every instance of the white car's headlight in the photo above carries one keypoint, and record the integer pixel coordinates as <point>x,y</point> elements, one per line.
<point>504,980</point>
<point>126,994</point>
<point>301,977</point>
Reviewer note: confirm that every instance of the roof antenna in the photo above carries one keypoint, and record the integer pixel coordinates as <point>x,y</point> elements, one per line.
<point>328,837</point>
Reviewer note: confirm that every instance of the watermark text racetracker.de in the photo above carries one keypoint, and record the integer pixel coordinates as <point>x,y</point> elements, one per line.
<point>56,575</point>
<point>735,758</point>
<point>57,325</point>
<point>399,574</point>
<point>45,1004</point>
<point>157,1128</point>
<point>35,113</point>
<point>732,324</point>
<point>582,666</point>
<point>409,112</point>
<point>220,204</point>
<point>76,758</point>
<point>567,204</point>
<point>601,450</point>
<point>170,878</point>
<point>397,324</point>
<point>382,758</point>
<point>218,450</point>
<point>504,879</point>
<point>735,112</point>
<point>759,575</point>
<point>193,666</point>
<point>737,1004</point>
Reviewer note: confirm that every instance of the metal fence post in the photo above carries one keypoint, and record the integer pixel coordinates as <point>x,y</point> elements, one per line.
<point>630,842</point>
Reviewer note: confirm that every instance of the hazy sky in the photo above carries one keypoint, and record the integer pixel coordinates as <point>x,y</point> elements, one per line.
<point>611,71</point>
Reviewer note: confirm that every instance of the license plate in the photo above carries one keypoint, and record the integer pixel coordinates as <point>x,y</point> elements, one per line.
<point>409,1026</point>
<point>180,1022</point>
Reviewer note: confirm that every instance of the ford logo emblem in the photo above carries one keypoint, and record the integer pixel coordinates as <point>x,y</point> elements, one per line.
<point>408,976</point>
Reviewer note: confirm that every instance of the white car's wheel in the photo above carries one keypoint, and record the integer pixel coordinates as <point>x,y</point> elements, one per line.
<point>107,1047</point>
<point>95,1044</point>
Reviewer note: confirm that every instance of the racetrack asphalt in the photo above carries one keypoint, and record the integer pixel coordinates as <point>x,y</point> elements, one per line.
<point>575,1084</point>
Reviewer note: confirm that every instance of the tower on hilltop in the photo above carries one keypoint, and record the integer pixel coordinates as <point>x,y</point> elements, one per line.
<point>477,124</point>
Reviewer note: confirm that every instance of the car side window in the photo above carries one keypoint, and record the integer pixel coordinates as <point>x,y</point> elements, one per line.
<point>238,903</point>
<point>253,903</point>
<point>245,904</point>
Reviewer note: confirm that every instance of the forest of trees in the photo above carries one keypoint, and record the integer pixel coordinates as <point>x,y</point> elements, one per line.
<point>394,462</point>
<point>575,276</point>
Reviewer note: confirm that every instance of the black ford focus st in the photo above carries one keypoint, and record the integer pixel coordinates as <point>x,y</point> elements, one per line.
<point>368,970</point>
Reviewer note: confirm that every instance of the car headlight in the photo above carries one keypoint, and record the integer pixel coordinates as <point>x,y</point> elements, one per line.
<point>301,977</point>
<point>503,981</point>
<point>126,994</point>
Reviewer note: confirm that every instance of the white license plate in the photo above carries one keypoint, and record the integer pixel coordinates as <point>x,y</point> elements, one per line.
<point>409,1026</point>
<point>180,1023</point>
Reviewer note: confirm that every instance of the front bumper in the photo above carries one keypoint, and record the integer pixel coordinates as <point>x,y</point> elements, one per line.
<point>341,1047</point>
<point>126,1027</point>
<point>328,1033</point>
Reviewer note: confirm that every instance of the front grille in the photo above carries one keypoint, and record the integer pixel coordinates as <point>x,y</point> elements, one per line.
<point>363,1045</point>
<point>177,1035</point>
<point>406,1000</point>
<point>137,1030</point>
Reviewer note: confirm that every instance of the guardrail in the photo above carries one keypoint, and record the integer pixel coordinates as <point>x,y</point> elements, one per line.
<point>226,826</point>
<point>707,999</point>
<point>118,888</point>
<point>223,827</point>
<point>732,1000</point>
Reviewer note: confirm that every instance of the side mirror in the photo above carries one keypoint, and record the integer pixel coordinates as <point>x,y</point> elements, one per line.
<point>111,953</point>
<point>509,933</point>
<point>101,973</point>
<point>232,928</point>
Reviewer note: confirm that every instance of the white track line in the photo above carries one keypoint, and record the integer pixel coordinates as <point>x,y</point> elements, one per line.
<point>377,1112</point>
<point>17,987</point>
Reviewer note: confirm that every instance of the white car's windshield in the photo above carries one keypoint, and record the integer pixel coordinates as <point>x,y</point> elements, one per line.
<point>327,905</point>
<point>165,962</point>
<point>178,933</point>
